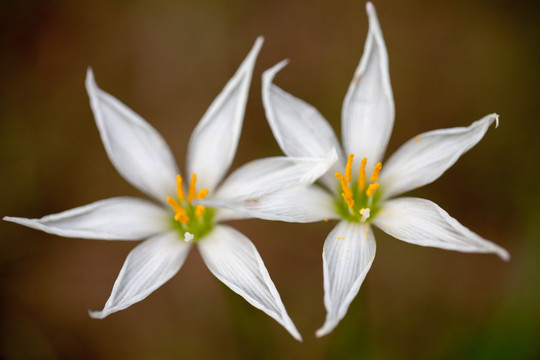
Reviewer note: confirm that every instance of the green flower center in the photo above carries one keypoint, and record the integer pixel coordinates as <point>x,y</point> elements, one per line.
<point>192,221</point>
<point>358,202</point>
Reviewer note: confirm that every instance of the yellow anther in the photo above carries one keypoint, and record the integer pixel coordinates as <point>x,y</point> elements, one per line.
<point>192,191</point>
<point>182,217</point>
<point>344,185</point>
<point>174,204</point>
<point>347,192</point>
<point>199,209</point>
<point>348,168</point>
<point>362,175</point>
<point>349,200</point>
<point>179,188</point>
<point>181,214</point>
<point>375,173</point>
<point>371,189</point>
<point>202,194</point>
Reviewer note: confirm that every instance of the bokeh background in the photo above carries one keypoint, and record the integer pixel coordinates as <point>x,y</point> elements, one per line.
<point>450,63</point>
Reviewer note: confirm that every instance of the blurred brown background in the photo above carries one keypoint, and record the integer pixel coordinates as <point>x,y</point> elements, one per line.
<point>450,62</point>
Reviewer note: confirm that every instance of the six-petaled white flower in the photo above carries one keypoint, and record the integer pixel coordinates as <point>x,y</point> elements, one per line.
<point>143,158</point>
<point>359,198</point>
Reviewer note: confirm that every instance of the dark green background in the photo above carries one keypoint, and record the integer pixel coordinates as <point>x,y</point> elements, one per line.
<point>451,63</point>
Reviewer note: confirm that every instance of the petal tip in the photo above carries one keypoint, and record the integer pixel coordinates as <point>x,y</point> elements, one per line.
<point>324,330</point>
<point>270,73</point>
<point>295,334</point>
<point>259,41</point>
<point>503,254</point>
<point>370,8</point>
<point>89,76</point>
<point>90,82</point>
<point>496,116</point>
<point>250,59</point>
<point>18,220</point>
<point>97,314</point>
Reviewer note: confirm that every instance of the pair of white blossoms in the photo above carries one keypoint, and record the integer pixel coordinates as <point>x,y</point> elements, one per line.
<point>279,188</point>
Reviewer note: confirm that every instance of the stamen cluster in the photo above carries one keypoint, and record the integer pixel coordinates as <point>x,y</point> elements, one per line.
<point>194,221</point>
<point>358,203</point>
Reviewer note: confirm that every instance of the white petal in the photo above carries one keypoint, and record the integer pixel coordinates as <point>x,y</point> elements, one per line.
<point>266,175</point>
<point>299,204</point>
<point>234,260</point>
<point>120,218</point>
<point>299,128</point>
<point>422,222</point>
<point>424,158</point>
<point>134,147</point>
<point>213,143</point>
<point>348,253</point>
<point>147,267</point>
<point>368,109</point>
<point>224,214</point>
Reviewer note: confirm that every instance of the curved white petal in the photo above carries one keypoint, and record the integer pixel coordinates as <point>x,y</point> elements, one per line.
<point>147,267</point>
<point>224,214</point>
<point>213,143</point>
<point>233,259</point>
<point>427,156</point>
<point>266,175</point>
<point>368,109</point>
<point>300,204</point>
<point>422,222</point>
<point>348,253</point>
<point>134,147</point>
<point>120,218</point>
<point>299,128</point>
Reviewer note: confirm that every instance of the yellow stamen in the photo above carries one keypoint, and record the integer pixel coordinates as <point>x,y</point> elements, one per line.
<point>174,204</point>
<point>182,217</point>
<point>199,209</point>
<point>181,214</point>
<point>347,192</point>
<point>362,175</point>
<point>371,189</point>
<point>349,200</point>
<point>375,173</point>
<point>348,168</point>
<point>202,194</point>
<point>192,191</point>
<point>344,185</point>
<point>179,188</point>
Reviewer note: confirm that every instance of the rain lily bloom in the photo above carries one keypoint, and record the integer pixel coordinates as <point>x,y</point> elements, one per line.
<point>360,190</point>
<point>171,228</point>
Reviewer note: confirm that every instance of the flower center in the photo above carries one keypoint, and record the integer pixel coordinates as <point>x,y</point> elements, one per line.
<point>191,220</point>
<point>358,202</point>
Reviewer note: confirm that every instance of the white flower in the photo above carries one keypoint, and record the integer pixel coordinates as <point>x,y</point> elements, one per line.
<point>143,158</point>
<point>354,198</point>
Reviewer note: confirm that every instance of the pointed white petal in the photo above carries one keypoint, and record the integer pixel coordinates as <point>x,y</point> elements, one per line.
<point>234,260</point>
<point>424,158</point>
<point>368,109</point>
<point>298,204</point>
<point>213,143</point>
<point>299,128</point>
<point>422,222</point>
<point>120,218</point>
<point>348,253</point>
<point>147,267</point>
<point>266,175</point>
<point>224,214</point>
<point>134,147</point>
